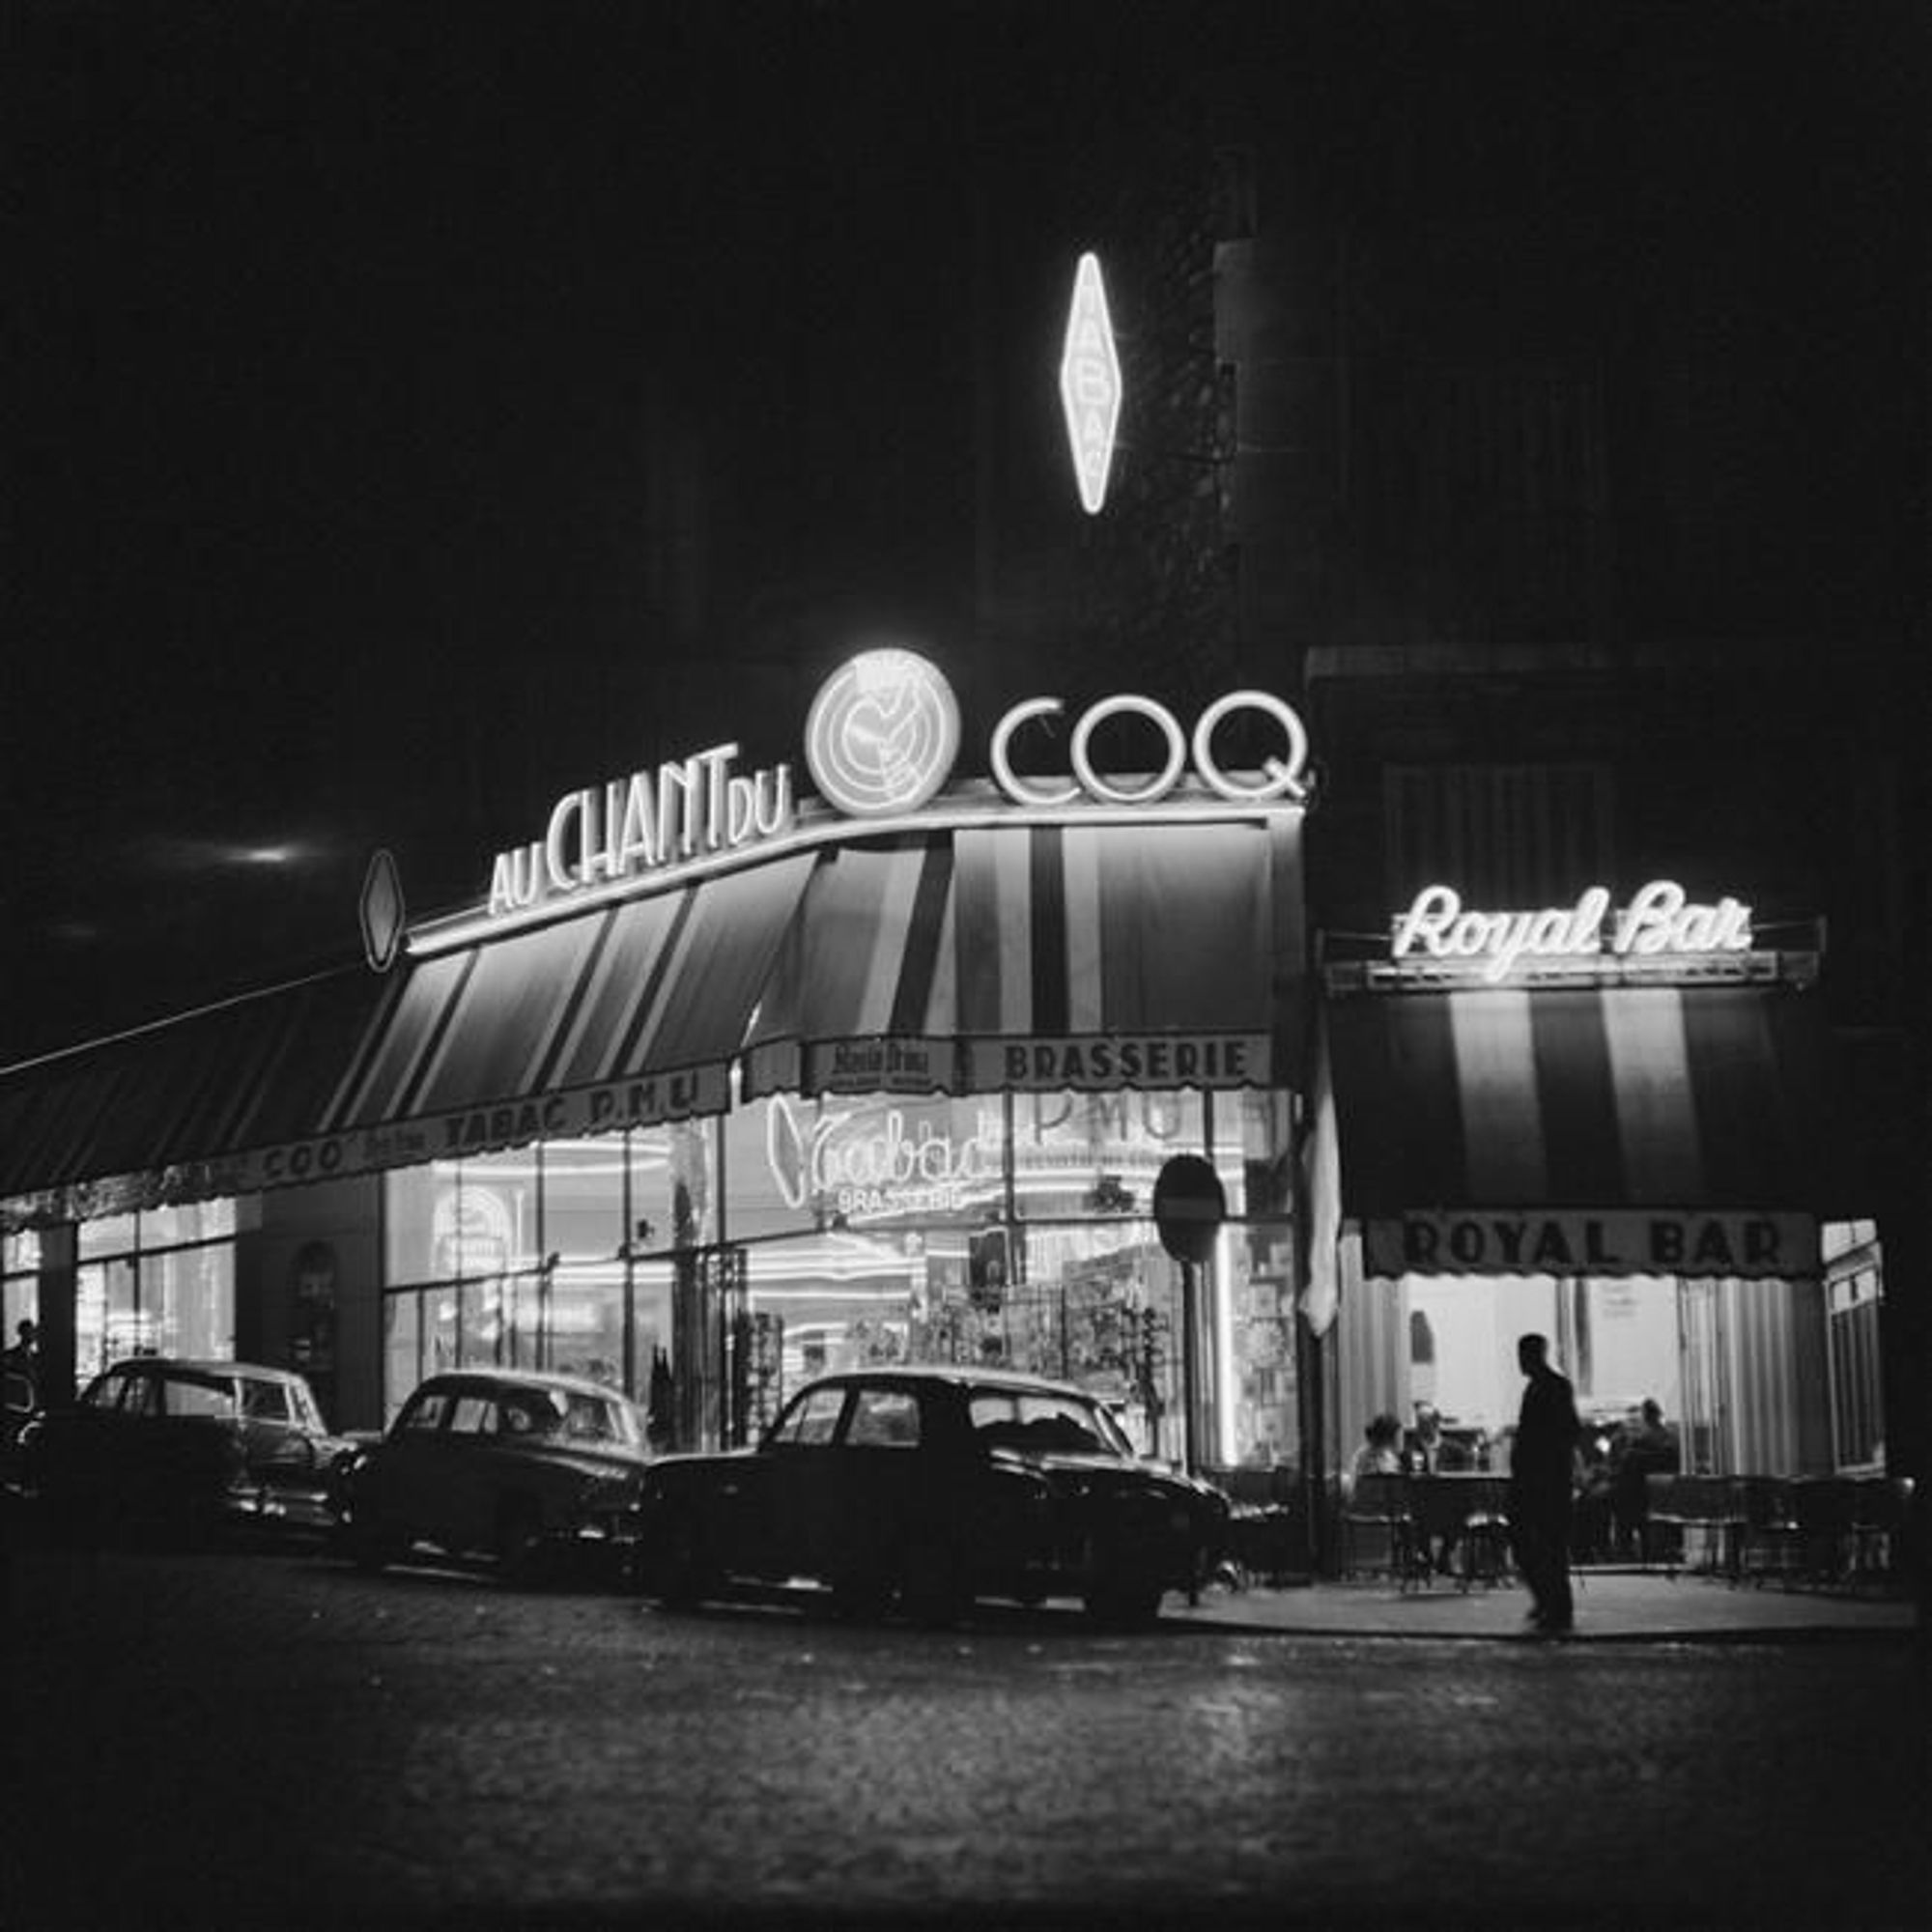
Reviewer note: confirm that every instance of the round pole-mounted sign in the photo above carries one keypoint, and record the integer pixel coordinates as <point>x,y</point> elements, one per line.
<point>1189,1206</point>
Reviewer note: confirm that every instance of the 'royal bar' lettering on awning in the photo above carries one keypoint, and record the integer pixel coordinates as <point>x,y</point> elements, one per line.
<point>1613,1243</point>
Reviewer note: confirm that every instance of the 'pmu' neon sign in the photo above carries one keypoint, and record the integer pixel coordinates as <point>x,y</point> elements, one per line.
<point>1660,920</point>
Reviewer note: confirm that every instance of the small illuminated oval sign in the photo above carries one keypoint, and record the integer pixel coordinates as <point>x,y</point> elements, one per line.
<point>1090,384</point>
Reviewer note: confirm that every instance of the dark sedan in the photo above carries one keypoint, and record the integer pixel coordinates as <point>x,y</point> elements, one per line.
<point>167,1446</point>
<point>517,1467</point>
<point>926,1487</point>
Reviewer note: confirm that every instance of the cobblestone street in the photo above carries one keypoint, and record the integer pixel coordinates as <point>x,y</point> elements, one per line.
<point>273,1740</point>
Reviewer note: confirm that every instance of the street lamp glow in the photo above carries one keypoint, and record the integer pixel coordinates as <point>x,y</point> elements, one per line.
<point>1090,384</point>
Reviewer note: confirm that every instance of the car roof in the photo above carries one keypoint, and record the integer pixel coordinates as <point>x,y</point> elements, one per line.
<point>198,1365</point>
<point>1015,1380</point>
<point>521,1378</point>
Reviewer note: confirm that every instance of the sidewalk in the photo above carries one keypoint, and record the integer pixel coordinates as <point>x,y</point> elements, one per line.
<point>1612,1607</point>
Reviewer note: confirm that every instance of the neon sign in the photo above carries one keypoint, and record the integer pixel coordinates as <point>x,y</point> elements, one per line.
<point>1282,777</point>
<point>881,739</point>
<point>868,1163</point>
<point>693,808</point>
<point>1090,384</point>
<point>473,1232</point>
<point>1660,920</point>
<point>882,734</point>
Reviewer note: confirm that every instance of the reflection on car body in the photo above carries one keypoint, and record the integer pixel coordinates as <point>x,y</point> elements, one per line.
<point>928,1486</point>
<point>20,1416</point>
<point>181,1446</point>
<point>497,1464</point>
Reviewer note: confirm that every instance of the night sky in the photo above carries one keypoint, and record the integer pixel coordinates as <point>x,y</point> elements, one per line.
<point>354,348</point>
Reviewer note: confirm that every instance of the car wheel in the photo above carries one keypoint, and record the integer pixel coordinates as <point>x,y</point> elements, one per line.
<point>931,1590</point>
<point>369,1548</point>
<point>521,1549</point>
<point>1125,1602</point>
<point>861,1594</point>
<point>680,1566</point>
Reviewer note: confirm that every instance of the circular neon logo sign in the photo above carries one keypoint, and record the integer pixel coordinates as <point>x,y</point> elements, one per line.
<point>882,733</point>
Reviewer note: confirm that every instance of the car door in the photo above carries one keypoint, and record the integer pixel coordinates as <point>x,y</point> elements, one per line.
<point>461,1502</point>
<point>862,1506</point>
<point>783,1526</point>
<point>408,1472</point>
<point>273,1442</point>
<point>92,1461</point>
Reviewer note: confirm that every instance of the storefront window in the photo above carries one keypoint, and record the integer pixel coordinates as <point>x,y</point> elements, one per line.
<point>111,1234</point>
<point>862,1162</point>
<point>402,1365</point>
<point>410,1199</point>
<point>1854,1297</point>
<point>498,1321</point>
<point>1254,1148</point>
<point>109,1321</point>
<point>188,1297</point>
<point>135,1296</point>
<point>584,1321</point>
<point>711,1266</point>
<point>690,1210</point>
<point>191,1221</point>
<point>493,1226</point>
<point>584,1198</point>
<point>20,1281</point>
<point>652,1383</point>
<point>1084,1154</point>
<point>1261,1426</point>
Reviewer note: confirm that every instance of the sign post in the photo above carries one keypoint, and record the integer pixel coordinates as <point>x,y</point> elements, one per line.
<point>1189,1208</point>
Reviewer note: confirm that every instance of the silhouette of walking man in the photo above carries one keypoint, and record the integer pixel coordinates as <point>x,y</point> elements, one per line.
<point>1542,1478</point>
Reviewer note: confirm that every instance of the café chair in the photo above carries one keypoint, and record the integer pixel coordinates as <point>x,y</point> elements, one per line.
<point>1379,1533</point>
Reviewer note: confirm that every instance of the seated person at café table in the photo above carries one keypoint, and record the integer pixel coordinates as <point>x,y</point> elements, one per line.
<point>1381,1453</point>
<point>1648,1448</point>
<point>1428,1450</point>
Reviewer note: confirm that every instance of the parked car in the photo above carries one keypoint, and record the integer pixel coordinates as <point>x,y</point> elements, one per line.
<point>925,1488</point>
<point>177,1447</point>
<point>517,1467</point>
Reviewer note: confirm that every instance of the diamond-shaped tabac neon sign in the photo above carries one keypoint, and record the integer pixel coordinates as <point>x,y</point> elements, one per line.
<point>1090,384</point>
<point>382,912</point>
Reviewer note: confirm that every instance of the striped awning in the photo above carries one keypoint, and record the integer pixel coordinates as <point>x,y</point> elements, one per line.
<point>966,958</point>
<point>1652,1096</point>
<point>1043,958</point>
<point>629,1015</point>
<point>626,1015</point>
<point>249,1072</point>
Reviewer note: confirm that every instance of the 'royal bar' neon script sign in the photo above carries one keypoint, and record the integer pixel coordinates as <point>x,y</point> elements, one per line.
<point>690,809</point>
<point>1660,920</point>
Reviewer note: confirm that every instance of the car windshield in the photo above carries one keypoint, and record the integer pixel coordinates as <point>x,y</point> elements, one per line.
<point>1027,1420</point>
<point>587,1418</point>
<point>200,1394</point>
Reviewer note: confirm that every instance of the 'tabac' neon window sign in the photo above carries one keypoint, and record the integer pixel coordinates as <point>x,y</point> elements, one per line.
<point>1089,385</point>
